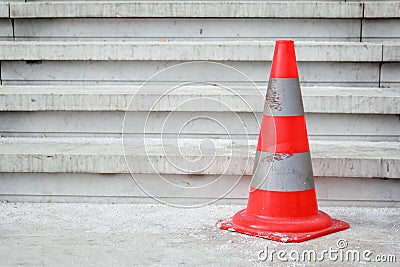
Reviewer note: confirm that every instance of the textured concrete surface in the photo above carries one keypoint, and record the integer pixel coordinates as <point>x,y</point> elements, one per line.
<point>381,26</point>
<point>213,98</point>
<point>267,9</point>
<point>6,30</point>
<point>347,74</point>
<point>160,235</point>
<point>181,189</point>
<point>391,52</point>
<point>188,50</point>
<point>4,10</point>
<point>390,77</point>
<point>187,155</point>
<point>69,29</point>
<point>380,30</point>
<point>240,9</point>
<point>382,9</point>
<point>242,125</point>
<point>94,170</point>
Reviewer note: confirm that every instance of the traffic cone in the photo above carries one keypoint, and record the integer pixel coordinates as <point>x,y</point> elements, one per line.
<point>282,204</point>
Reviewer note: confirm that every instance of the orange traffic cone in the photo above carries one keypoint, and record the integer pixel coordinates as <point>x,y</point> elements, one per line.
<point>282,204</point>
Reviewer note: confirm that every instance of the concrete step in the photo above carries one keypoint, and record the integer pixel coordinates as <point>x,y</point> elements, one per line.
<point>193,110</point>
<point>193,50</point>
<point>90,155</point>
<point>199,9</point>
<point>261,20</point>
<point>71,169</point>
<point>320,63</point>
<point>163,98</point>
<point>148,37</point>
<point>155,20</point>
<point>130,29</point>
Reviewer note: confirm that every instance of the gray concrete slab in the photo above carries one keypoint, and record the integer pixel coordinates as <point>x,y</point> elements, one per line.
<point>187,156</point>
<point>360,74</point>
<point>198,124</point>
<point>6,30</point>
<point>187,29</point>
<point>213,98</point>
<point>391,52</point>
<point>382,9</point>
<point>239,9</point>
<point>4,10</point>
<point>380,30</point>
<point>390,73</point>
<point>160,235</point>
<point>188,50</point>
<point>185,190</point>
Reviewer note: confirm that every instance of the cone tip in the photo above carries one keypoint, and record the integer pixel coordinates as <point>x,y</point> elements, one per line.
<point>288,42</point>
<point>284,62</point>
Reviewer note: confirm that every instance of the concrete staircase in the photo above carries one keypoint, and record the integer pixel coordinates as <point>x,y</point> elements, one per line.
<point>95,108</point>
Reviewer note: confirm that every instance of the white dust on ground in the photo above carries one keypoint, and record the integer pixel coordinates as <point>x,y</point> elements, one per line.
<point>161,235</point>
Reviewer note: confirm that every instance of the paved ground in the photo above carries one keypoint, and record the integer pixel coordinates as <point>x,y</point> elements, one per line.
<point>160,235</point>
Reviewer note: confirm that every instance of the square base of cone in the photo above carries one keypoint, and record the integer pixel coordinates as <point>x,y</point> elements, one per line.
<point>336,226</point>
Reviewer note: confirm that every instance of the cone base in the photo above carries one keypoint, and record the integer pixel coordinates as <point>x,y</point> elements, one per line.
<point>281,229</point>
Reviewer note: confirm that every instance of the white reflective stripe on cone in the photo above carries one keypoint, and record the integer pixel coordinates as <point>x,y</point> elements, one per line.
<point>282,172</point>
<point>283,97</point>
